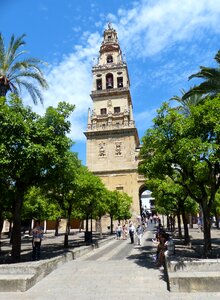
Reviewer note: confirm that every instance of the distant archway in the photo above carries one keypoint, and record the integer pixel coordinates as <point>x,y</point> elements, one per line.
<point>147,202</point>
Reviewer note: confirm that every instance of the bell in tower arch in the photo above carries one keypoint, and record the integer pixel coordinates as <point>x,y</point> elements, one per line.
<point>109,81</point>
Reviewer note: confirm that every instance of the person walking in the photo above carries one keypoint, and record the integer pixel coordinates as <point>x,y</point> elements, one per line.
<point>124,231</point>
<point>131,232</point>
<point>37,236</point>
<point>118,231</point>
<point>199,223</point>
<point>139,234</point>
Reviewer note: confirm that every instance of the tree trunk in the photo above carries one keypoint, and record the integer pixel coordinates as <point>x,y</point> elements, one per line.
<point>66,236</point>
<point>179,225</point>
<point>1,227</point>
<point>1,223</point>
<point>57,226</point>
<point>186,229</point>
<point>207,250</point>
<point>111,217</point>
<point>87,223</point>
<point>16,231</point>
<point>3,89</point>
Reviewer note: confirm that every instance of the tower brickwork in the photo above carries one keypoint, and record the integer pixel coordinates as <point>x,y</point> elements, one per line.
<point>112,137</point>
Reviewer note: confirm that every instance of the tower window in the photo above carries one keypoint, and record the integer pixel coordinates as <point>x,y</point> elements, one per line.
<point>120,82</point>
<point>120,188</point>
<point>103,111</point>
<point>99,84</point>
<point>116,110</point>
<point>109,81</point>
<point>109,59</point>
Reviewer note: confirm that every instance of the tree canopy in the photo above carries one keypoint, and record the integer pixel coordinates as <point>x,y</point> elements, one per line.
<point>31,146</point>
<point>189,146</point>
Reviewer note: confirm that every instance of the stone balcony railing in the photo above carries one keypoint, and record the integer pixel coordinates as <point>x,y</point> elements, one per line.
<point>110,91</point>
<point>101,127</point>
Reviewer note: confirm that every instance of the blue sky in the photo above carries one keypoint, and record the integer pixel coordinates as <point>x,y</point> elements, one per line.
<point>164,41</point>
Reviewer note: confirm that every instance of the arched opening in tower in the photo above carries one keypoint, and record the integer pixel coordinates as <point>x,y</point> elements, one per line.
<point>109,81</point>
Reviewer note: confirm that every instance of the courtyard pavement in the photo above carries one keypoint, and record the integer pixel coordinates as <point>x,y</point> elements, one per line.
<point>53,246</point>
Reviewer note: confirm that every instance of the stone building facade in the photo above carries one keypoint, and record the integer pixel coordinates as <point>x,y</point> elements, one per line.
<point>112,137</point>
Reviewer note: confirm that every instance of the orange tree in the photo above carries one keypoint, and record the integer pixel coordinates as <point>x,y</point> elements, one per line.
<point>31,146</point>
<point>189,146</point>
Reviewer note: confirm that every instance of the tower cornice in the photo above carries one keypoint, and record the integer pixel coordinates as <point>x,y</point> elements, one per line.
<point>95,95</point>
<point>115,132</point>
<point>110,66</point>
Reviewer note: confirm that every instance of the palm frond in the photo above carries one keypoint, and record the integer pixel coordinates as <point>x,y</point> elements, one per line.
<point>15,71</point>
<point>28,64</point>
<point>13,47</point>
<point>186,101</point>
<point>206,73</point>
<point>204,89</point>
<point>14,89</point>
<point>217,57</point>
<point>15,57</point>
<point>2,50</point>
<point>31,90</point>
<point>211,84</point>
<point>23,65</point>
<point>42,82</point>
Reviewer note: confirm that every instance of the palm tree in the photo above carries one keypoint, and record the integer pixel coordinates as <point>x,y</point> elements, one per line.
<point>14,73</point>
<point>185,104</point>
<point>211,84</point>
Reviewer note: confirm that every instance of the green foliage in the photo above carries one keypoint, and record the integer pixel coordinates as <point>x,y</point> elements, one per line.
<point>37,206</point>
<point>211,81</point>
<point>186,103</point>
<point>171,197</point>
<point>62,186</point>
<point>29,148</point>
<point>118,205</point>
<point>30,152</point>
<point>186,149</point>
<point>90,194</point>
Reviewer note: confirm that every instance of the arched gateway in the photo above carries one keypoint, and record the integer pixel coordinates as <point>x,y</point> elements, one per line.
<point>112,138</point>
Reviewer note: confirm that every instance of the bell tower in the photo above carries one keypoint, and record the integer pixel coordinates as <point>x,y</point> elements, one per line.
<point>112,138</point>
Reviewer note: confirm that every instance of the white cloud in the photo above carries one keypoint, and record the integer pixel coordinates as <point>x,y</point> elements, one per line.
<point>151,26</point>
<point>145,30</point>
<point>71,81</point>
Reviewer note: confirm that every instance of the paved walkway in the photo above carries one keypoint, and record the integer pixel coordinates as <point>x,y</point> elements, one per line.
<point>116,270</point>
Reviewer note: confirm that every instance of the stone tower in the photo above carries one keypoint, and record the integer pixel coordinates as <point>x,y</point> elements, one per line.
<point>112,138</point>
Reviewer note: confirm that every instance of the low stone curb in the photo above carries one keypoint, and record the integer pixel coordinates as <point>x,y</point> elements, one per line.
<point>22,276</point>
<point>200,275</point>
